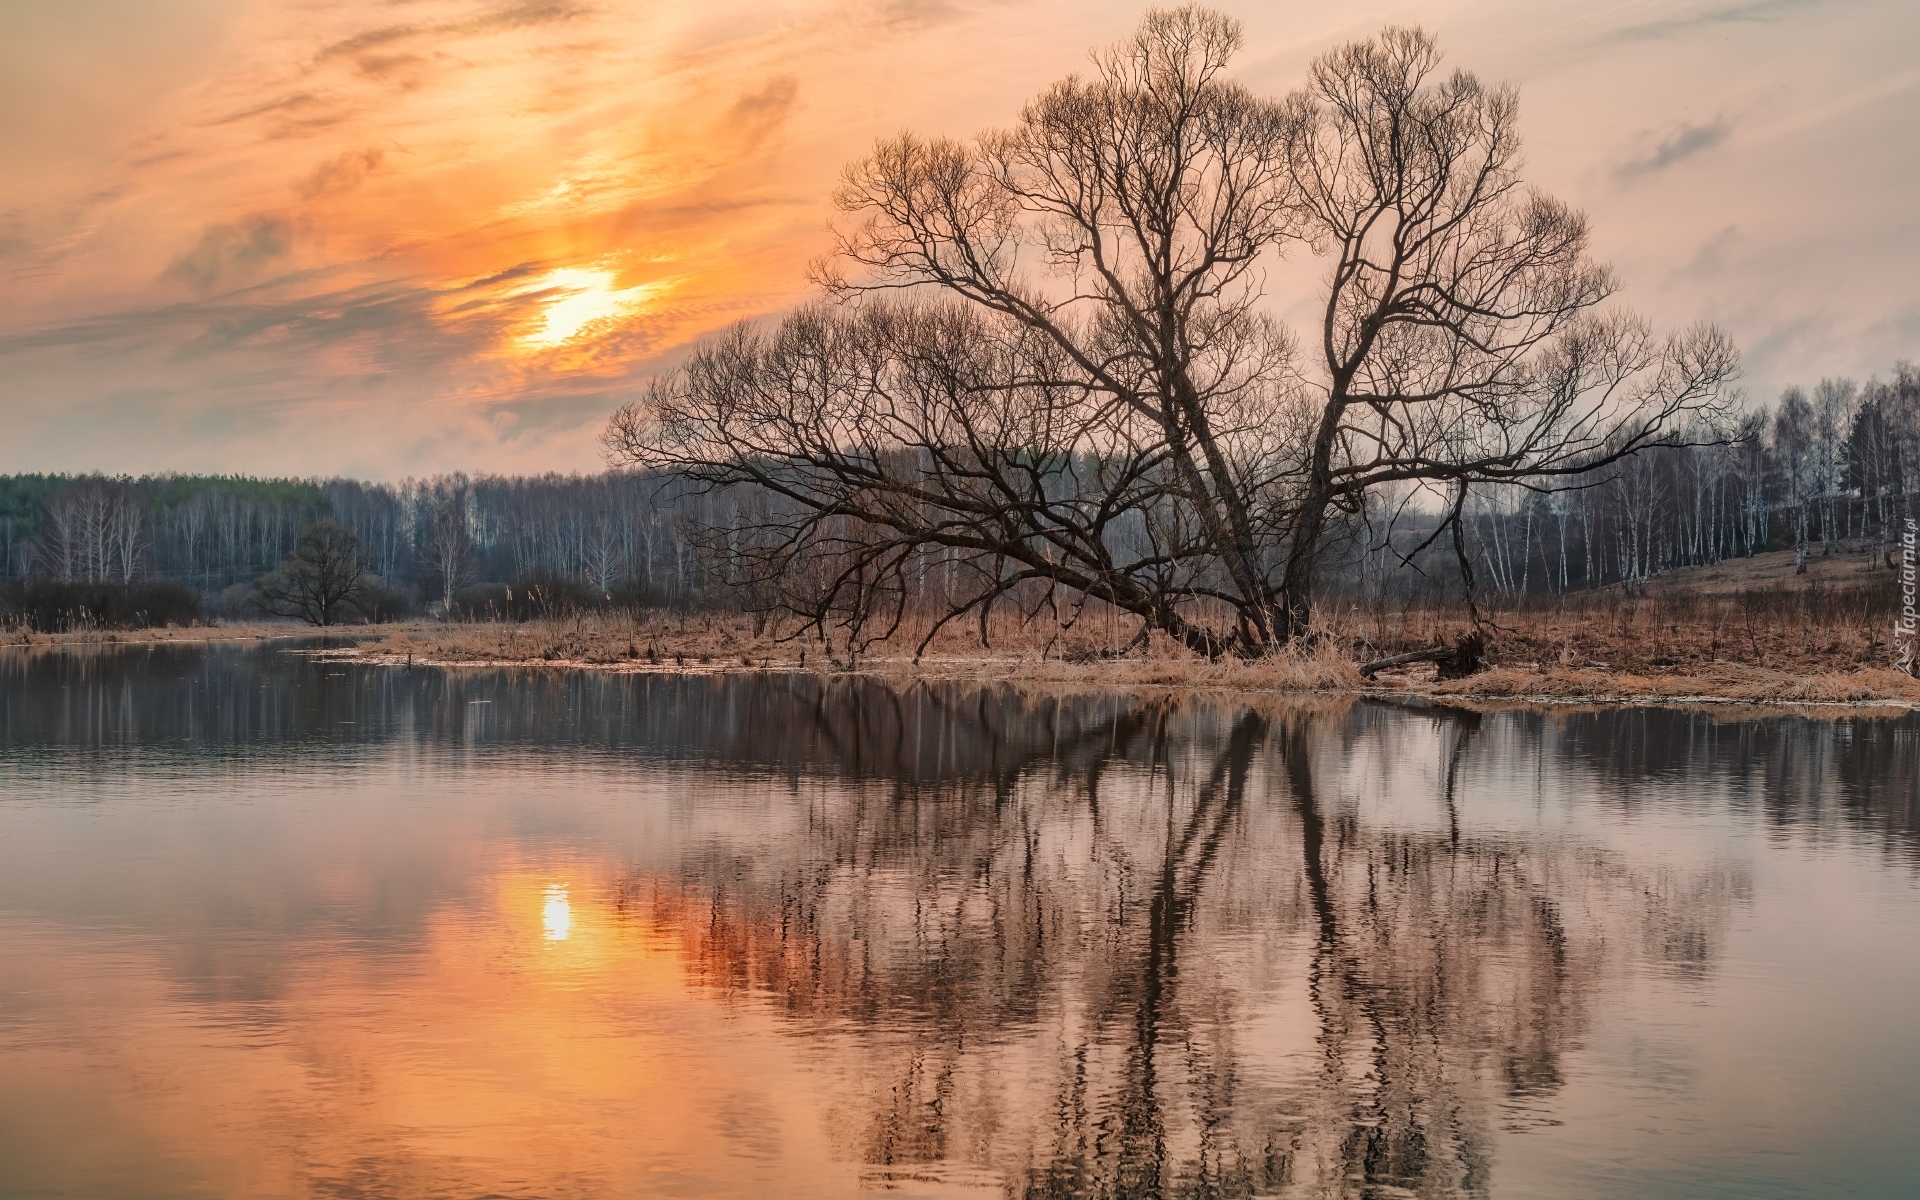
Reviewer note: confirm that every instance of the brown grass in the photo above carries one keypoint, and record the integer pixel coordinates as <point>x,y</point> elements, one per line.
<point>1728,681</point>
<point>1028,652</point>
<point>245,631</point>
<point>1726,626</point>
<point>1750,631</point>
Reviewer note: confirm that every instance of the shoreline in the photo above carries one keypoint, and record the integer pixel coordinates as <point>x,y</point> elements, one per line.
<point>1498,687</point>
<point>1719,684</point>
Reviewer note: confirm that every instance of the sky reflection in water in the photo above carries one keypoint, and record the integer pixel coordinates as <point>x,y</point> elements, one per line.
<point>273,927</point>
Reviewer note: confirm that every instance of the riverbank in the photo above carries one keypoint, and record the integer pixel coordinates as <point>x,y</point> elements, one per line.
<point>1675,664</point>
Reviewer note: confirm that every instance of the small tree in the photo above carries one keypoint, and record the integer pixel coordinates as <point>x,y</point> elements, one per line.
<point>324,581</point>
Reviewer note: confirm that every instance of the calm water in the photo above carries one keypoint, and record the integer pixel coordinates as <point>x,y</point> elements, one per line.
<point>276,927</point>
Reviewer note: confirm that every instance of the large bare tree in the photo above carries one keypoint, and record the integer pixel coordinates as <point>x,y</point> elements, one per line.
<point>1082,385</point>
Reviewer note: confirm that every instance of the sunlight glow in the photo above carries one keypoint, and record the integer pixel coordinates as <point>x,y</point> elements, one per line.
<point>584,301</point>
<point>558,915</point>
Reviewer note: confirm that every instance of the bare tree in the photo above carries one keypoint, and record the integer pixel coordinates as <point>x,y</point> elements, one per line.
<point>870,432</point>
<point>1461,338</point>
<point>1882,447</point>
<point>99,530</point>
<point>323,582</point>
<point>1796,457</point>
<point>449,543</point>
<point>1102,404</point>
<point>1834,401</point>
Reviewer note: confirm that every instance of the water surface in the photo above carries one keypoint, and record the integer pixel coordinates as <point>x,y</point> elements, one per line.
<point>277,927</point>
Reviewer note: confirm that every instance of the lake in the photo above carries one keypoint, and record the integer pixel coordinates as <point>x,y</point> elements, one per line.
<point>272,925</point>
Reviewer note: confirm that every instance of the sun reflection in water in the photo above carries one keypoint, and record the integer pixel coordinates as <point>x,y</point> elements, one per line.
<point>557,915</point>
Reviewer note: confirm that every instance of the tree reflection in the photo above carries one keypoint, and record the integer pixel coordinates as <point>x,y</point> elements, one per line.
<point>1161,950</point>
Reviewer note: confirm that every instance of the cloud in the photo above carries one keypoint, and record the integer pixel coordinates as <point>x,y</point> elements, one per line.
<point>507,16</point>
<point>1899,331</point>
<point>292,102</point>
<point>34,245</point>
<point>367,41</point>
<point>340,174</point>
<point>916,14</point>
<point>520,16</point>
<point>380,66</point>
<point>1757,13</point>
<point>1714,254</point>
<point>233,253</point>
<point>391,326</point>
<point>1681,144</point>
<point>758,113</point>
<point>295,112</point>
<point>538,412</point>
<point>525,270</point>
<point>13,234</point>
<point>402,323</point>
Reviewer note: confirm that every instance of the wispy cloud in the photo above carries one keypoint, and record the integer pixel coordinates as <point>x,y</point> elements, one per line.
<point>367,40</point>
<point>758,113</point>
<point>233,253</point>
<point>340,174</point>
<point>521,16</point>
<point>913,14</point>
<point>13,234</point>
<point>288,313</point>
<point>1755,13</point>
<point>388,66</point>
<point>492,20</point>
<point>1675,146</point>
<point>291,102</point>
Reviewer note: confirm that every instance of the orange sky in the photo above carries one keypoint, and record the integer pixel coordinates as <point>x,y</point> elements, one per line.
<point>388,237</point>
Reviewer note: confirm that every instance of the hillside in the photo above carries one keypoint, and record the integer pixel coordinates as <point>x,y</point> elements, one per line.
<point>1848,569</point>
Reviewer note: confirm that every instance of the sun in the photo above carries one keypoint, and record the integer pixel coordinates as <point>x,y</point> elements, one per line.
<point>580,302</point>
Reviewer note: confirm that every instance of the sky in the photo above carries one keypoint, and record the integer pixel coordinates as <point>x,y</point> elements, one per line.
<point>386,238</point>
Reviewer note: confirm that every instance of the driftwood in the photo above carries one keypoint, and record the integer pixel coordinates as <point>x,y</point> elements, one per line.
<point>1457,661</point>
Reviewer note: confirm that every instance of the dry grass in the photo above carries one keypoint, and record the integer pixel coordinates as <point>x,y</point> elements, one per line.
<point>1708,623</point>
<point>715,643</point>
<point>1728,681</point>
<point>1842,569</point>
<point>258,631</point>
<point>1563,654</point>
<point>1750,631</point>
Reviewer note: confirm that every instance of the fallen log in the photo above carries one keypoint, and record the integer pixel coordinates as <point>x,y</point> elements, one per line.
<point>1457,661</point>
<point>1434,654</point>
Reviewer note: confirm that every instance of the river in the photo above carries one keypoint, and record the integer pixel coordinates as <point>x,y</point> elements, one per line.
<point>273,925</point>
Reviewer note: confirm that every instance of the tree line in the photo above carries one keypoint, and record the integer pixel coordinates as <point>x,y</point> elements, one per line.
<point>618,533</point>
<point>1834,468</point>
<point>1831,470</point>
